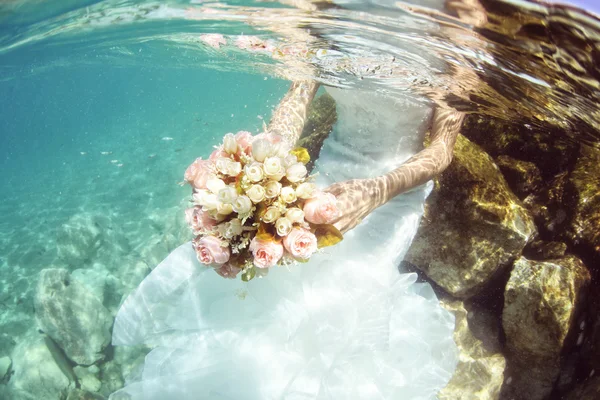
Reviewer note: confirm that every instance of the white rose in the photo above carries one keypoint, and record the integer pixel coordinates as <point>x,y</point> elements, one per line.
<point>273,168</point>
<point>272,189</point>
<point>210,202</point>
<point>254,172</point>
<point>224,209</point>
<point>271,215</point>
<point>230,144</point>
<point>288,194</point>
<point>256,193</point>
<point>227,195</point>
<point>215,184</point>
<point>283,226</point>
<point>222,164</point>
<point>296,172</point>
<point>289,160</point>
<point>305,190</point>
<point>261,149</point>
<point>295,214</point>
<point>198,196</point>
<point>230,229</point>
<point>242,205</point>
<point>233,168</point>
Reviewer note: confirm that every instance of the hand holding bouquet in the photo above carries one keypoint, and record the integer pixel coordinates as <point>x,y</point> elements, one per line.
<point>256,207</point>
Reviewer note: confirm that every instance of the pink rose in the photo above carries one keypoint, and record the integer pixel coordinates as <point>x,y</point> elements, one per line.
<point>321,209</point>
<point>210,250</point>
<point>214,40</point>
<point>266,252</point>
<point>228,271</point>
<point>244,141</point>
<point>218,153</point>
<point>300,243</point>
<point>198,173</point>
<point>199,220</point>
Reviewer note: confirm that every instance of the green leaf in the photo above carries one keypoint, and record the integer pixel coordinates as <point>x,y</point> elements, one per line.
<point>249,274</point>
<point>301,154</point>
<point>327,235</point>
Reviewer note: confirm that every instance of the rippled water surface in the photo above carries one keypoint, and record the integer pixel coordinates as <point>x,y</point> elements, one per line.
<point>105,103</point>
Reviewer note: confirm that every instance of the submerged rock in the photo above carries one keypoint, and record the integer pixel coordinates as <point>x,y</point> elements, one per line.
<point>88,377</point>
<point>36,374</point>
<point>540,250</point>
<point>523,177</point>
<point>587,390</point>
<point>5,364</point>
<point>79,239</point>
<point>78,394</point>
<point>584,187</point>
<point>322,116</point>
<point>72,316</point>
<point>549,149</point>
<point>111,378</point>
<point>480,369</point>
<point>540,305</point>
<point>473,226</point>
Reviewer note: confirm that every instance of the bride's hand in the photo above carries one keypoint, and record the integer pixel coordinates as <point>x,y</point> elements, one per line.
<point>356,199</point>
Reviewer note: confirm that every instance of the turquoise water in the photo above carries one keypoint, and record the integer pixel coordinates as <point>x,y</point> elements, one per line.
<point>55,126</point>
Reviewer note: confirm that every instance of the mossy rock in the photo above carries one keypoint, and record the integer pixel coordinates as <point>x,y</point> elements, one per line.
<point>480,370</point>
<point>541,303</point>
<point>473,227</point>
<point>549,149</point>
<point>583,190</point>
<point>523,177</point>
<point>322,116</point>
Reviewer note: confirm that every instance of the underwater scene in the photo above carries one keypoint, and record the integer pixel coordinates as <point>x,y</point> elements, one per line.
<point>299,200</point>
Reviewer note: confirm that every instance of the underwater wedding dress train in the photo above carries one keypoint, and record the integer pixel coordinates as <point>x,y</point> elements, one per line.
<point>346,325</point>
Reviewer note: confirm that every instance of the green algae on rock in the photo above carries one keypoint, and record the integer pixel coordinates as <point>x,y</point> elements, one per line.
<point>523,177</point>
<point>480,370</point>
<point>584,185</point>
<point>473,226</point>
<point>322,116</point>
<point>540,305</point>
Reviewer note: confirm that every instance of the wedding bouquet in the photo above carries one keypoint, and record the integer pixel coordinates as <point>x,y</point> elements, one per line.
<point>255,206</point>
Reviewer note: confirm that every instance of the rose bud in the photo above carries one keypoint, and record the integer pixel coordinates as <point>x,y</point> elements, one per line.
<point>256,193</point>
<point>230,144</point>
<point>295,215</point>
<point>254,172</point>
<point>242,205</point>
<point>305,190</point>
<point>321,209</point>
<point>283,226</point>
<point>272,189</point>
<point>288,194</point>
<point>296,172</point>
<point>271,215</point>
<point>261,149</point>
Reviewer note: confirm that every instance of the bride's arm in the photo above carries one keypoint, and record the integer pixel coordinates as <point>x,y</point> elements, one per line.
<point>290,115</point>
<point>357,198</point>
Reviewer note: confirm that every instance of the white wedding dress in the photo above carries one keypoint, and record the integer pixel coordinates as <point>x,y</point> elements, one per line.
<point>345,326</point>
